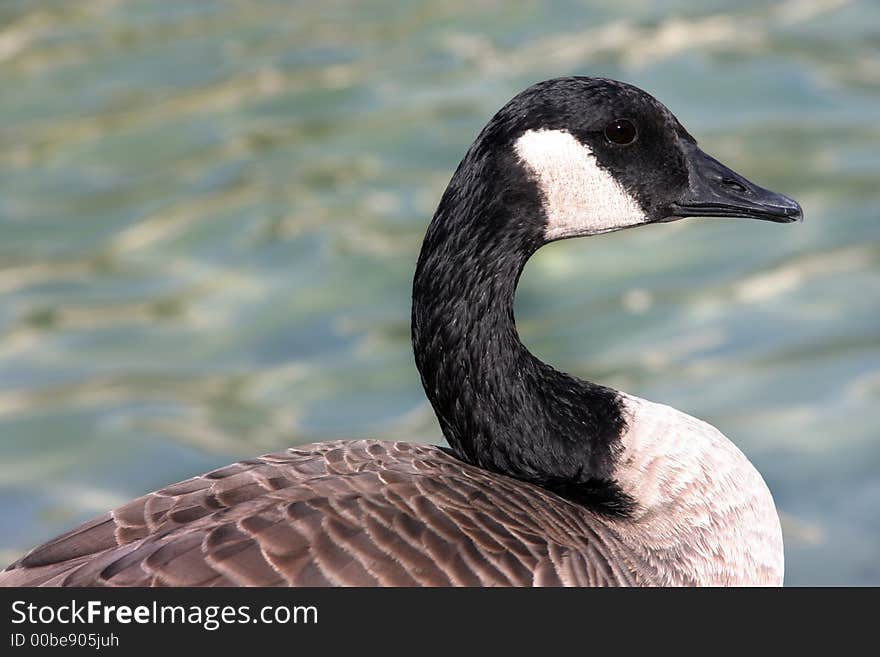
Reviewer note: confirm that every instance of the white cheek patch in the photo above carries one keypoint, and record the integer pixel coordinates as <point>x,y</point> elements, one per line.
<point>580,198</point>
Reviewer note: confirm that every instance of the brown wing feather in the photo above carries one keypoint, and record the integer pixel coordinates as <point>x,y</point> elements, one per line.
<point>356,513</point>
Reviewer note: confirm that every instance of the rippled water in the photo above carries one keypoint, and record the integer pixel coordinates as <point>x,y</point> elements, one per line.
<point>210,214</point>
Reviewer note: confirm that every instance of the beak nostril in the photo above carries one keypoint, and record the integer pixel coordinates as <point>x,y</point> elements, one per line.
<point>733,184</point>
<point>714,190</point>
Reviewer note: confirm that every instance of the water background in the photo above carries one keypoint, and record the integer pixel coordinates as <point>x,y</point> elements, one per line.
<point>210,214</point>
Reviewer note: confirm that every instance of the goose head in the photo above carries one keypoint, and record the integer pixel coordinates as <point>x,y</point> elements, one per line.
<point>601,156</point>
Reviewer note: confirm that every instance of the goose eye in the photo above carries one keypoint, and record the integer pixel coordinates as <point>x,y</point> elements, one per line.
<point>621,131</point>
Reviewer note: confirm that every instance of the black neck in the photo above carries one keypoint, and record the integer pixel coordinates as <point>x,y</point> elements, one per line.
<point>500,407</point>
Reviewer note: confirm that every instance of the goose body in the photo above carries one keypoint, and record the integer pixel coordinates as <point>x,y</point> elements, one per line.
<point>549,479</point>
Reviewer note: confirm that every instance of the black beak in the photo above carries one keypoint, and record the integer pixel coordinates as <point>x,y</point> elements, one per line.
<point>715,191</point>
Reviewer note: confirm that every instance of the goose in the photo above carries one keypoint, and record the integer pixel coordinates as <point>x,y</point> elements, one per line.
<point>547,480</point>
